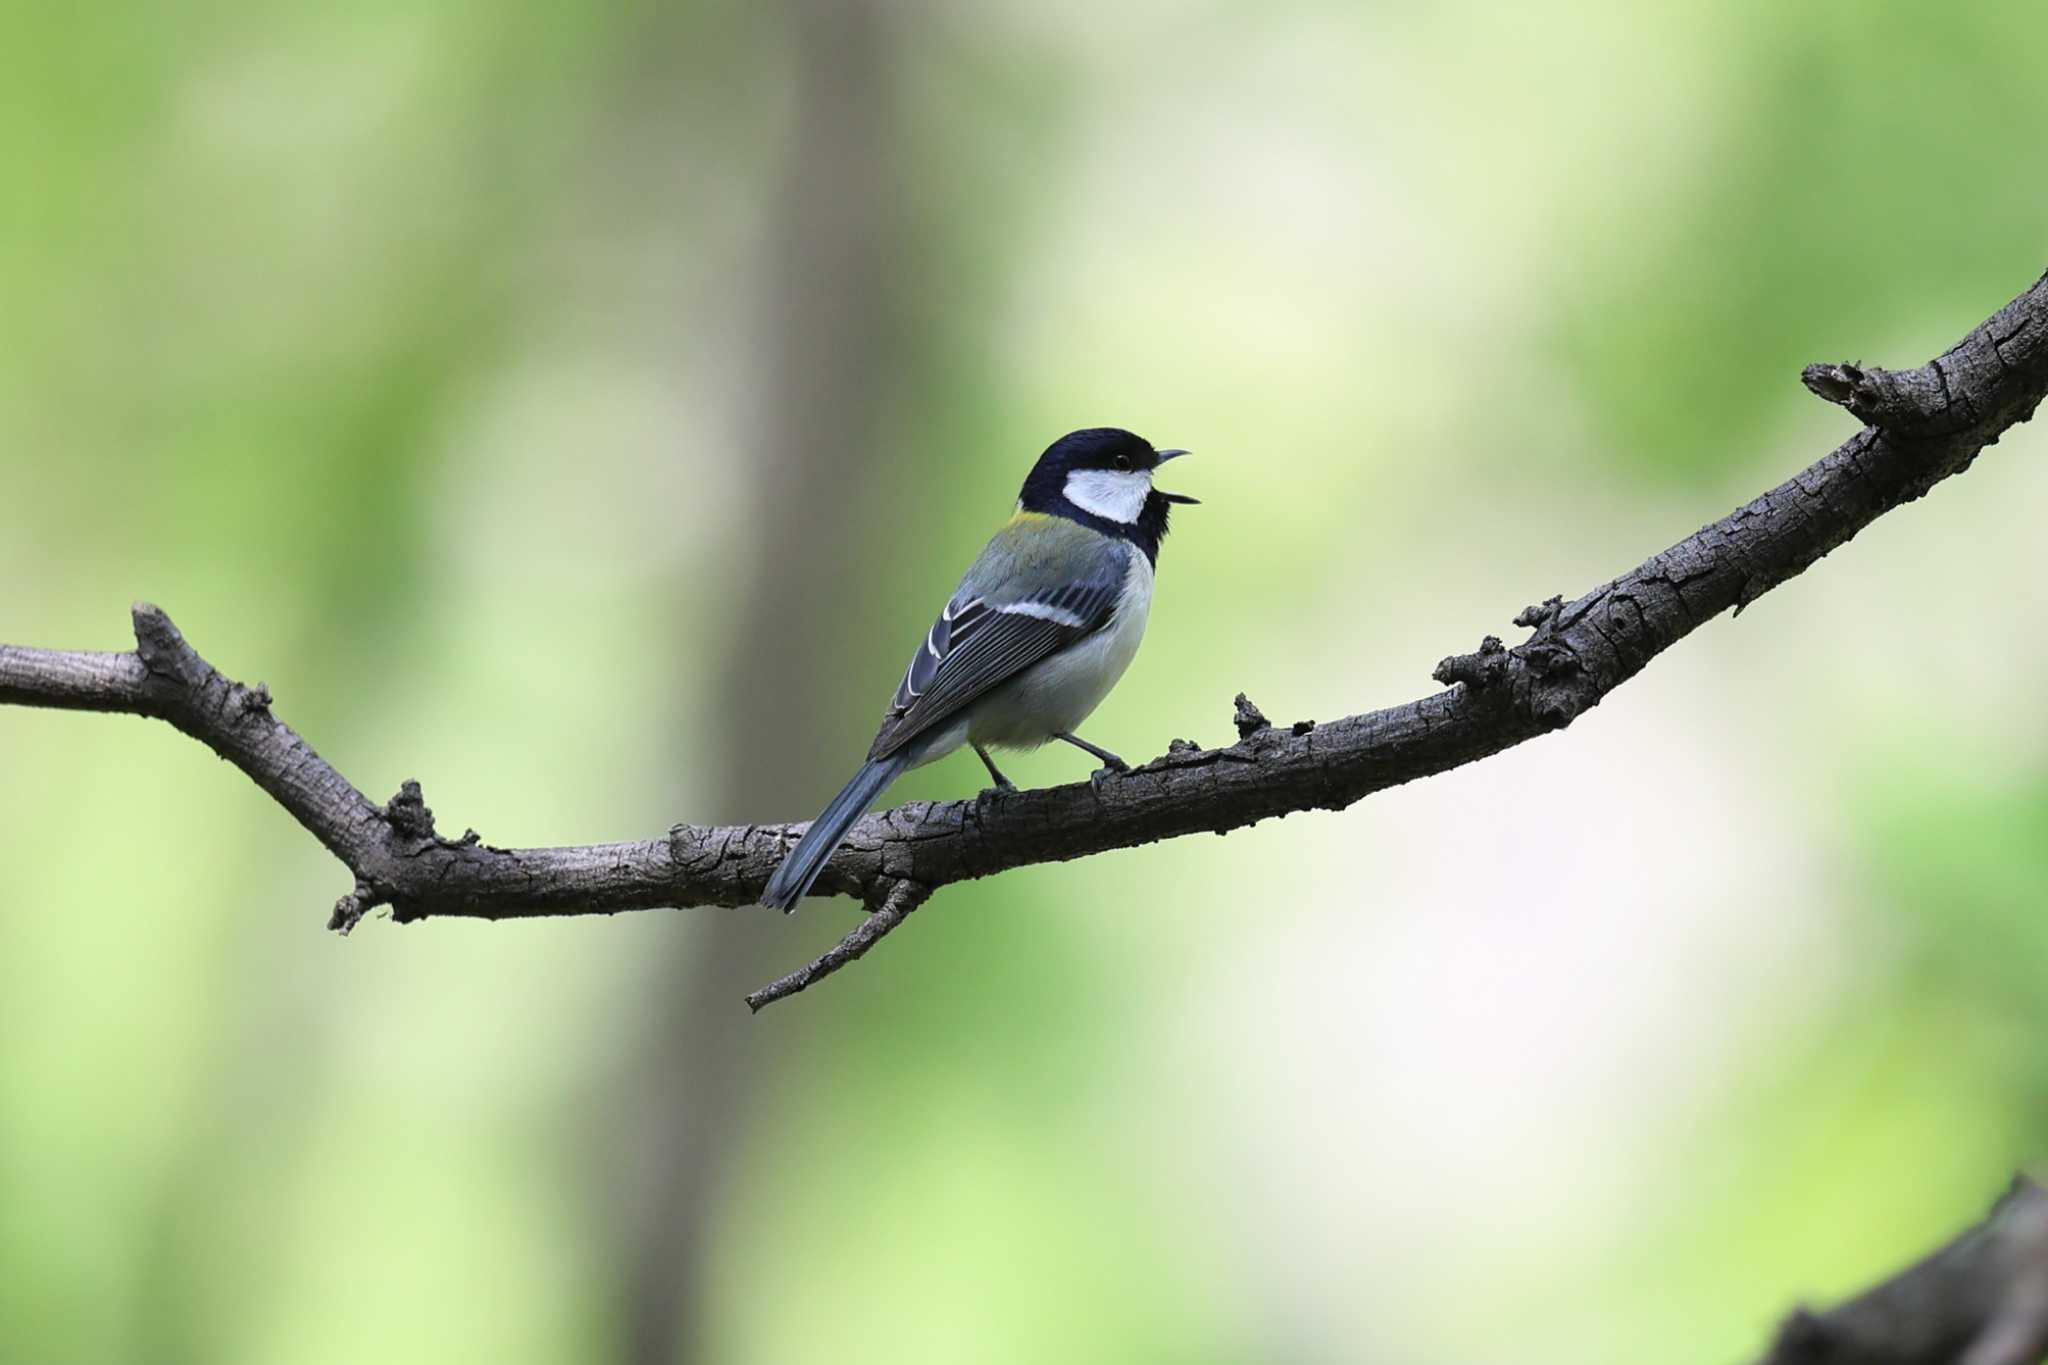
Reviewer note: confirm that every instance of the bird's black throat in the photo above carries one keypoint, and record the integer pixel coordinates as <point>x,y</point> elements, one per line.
<point>1145,533</point>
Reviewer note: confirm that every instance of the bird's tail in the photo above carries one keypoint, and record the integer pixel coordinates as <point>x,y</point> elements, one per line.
<point>793,879</point>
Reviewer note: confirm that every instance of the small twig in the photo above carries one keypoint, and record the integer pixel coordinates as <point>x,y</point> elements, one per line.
<point>901,899</point>
<point>350,909</point>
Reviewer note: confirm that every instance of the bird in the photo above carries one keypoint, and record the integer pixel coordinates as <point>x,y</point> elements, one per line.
<point>1041,627</point>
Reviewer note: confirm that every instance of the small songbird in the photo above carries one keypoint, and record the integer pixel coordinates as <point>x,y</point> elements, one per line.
<point>1042,625</point>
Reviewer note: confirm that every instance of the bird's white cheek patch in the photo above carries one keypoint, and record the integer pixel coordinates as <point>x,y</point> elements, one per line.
<point>1112,494</point>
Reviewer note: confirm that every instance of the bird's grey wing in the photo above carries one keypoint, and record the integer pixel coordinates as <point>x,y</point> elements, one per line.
<point>982,640</point>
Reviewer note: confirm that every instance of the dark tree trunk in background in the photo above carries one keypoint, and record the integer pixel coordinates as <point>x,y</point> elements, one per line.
<point>825,348</point>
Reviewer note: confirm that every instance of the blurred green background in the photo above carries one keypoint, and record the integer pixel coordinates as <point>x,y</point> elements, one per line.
<point>583,409</point>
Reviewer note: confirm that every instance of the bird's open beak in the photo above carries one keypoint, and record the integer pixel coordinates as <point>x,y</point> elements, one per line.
<point>1164,456</point>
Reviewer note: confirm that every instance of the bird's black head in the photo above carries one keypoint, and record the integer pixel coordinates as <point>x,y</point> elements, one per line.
<point>1102,478</point>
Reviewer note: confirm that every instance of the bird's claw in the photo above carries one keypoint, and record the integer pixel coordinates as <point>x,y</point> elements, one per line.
<point>1105,772</point>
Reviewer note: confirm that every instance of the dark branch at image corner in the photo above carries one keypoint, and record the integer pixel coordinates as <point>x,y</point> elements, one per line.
<point>1981,1299</point>
<point>1923,425</point>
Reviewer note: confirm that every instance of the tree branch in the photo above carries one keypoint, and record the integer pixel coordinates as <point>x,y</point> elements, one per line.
<point>1925,425</point>
<point>1980,1300</point>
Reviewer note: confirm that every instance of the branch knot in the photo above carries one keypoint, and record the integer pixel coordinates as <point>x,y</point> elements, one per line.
<point>1531,676</point>
<point>1907,403</point>
<point>1481,671</point>
<point>409,814</point>
<point>161,647</point>
<point>1544,613</point>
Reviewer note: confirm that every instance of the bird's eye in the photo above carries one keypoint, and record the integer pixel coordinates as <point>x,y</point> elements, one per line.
<point>1123,459</point>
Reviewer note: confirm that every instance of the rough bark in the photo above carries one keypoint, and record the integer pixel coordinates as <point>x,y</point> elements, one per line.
<point>1923,426</point>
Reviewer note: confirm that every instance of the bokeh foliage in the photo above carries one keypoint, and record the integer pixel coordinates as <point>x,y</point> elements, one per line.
<point>417,360</point>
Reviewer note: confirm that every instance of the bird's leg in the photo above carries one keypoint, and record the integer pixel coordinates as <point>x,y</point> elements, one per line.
<point>1002,783</point>
<point>1109,760</point>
